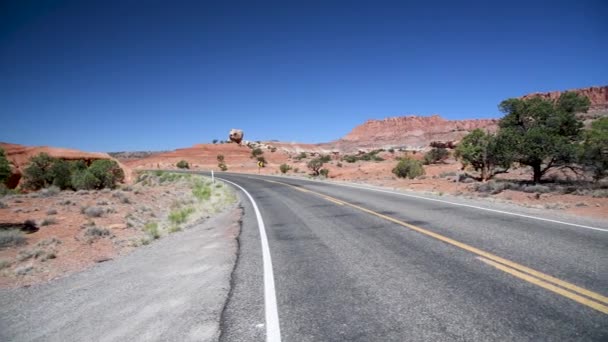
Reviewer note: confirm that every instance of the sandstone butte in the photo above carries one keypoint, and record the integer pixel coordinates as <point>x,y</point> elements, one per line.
<point>19,156</point>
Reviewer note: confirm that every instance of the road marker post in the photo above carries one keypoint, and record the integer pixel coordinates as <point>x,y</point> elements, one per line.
<point>212,177</point>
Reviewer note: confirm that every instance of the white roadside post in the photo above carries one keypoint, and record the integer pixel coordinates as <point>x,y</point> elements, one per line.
<point>212,177</point>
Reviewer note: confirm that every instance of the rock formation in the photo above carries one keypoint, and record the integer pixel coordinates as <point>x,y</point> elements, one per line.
<point>411,132</point>
<point>236,135</point>
<point>597,95</point>
<point>19,155</point>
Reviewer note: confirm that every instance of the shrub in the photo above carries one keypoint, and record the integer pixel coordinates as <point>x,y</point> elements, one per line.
<point>324,172</point>
<point>273,149</point>
<point>220,158</point>
<point>5,167</point>
<point>408,168</point>
<point>151,228</point>
<point>284,168</point>
<point>93,211</point>
<point>96,232</point>
<point>223,166</point>
<point>315,165</point>
<point>349,159</point>
<point>50,191</point>
<point>61,173</point>
<point>391,150</point>
<point>325,158</point>
<point>108,172</point>
<point>84,180</point>
<point>48,221</point>
<point>215,141</point>
<point>201,191</point>
<point>182,164</point>
<point>301,156</point>
<point>256,152</point>
<point>11,237</point>
<point>339,164</point>
<point>180,216</point>
<point>436,155</point>
<point>262,159</point>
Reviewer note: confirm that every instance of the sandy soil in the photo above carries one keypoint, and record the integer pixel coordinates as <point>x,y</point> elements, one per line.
<point>66,241</point>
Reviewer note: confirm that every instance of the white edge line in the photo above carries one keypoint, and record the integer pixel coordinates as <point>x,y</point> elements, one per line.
<point>457,204</point>
<point>273,329</point>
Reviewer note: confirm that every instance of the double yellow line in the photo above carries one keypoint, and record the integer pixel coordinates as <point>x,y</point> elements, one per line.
<point>576,293</point>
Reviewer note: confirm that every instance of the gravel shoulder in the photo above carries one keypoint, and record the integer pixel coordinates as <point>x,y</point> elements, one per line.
<point>173,290</point>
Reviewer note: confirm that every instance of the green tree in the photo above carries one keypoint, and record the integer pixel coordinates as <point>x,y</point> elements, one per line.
<point>487,153</point>
<point>84,180</point>
<point>315,165</point>
<point>408,168</point>
<point>543,133</point>
<point>37,174</point>
<point>108,172</point>
<point>182,164</point>
<point>594,152</point>
<point>61,173</point>
<point>5,167</point>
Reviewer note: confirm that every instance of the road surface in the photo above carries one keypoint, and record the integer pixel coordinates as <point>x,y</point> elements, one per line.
<point>350,264</point>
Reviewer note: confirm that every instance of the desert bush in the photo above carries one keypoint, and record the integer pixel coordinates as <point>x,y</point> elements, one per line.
<point>84,180</point>
<point>4,264</point>
<point>273,149</point>
<point>11,237</point>
<point>447,174</point>
<point>93,211</point>
<point>262,159</point>
<point>339,164</point>
<point>96,232</point>
<point>408,168</point>
<point>181,215</point>
<point>48,221</point>
<point>315,165</point>
<point>256,152</point>
<point>301,156</point>
<point>3,205</point>
<point>324,172</point>
<point>326,158</point>
<point>284,168</point>
<point>50,191</point>
<point>391,150</point>
<point>151,228</point>
<point>220,158</point>
<point>543,189</point>
<point>201,191</point>
<point>108,172</point>
<point>349,159</point>
<point>600,193</point>
<point>24,270</point>
<point>182,164</point>
<point>436,155</point>
<point>223,166</point>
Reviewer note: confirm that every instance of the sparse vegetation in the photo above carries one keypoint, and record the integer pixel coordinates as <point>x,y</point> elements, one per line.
<point>324,172</point>
<point>180,216</point>
<point>315,166</point>
<point>325,158</point>
<point>256,152</point>
<point>48,221</point>
<point>284,168</point>
<point>594,151</point>
<point>5,167</point>
<point>151,228</point>
<point>408,168</point>
<point>486,153</point>
<point>182,164</point>
<point>93,211</point>
<point>436,155</point>
<point>11,237</point>
<point>301,156</point>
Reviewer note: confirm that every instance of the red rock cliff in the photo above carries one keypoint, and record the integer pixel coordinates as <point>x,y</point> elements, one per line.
<point>413,132</point>
<point>597,95</point>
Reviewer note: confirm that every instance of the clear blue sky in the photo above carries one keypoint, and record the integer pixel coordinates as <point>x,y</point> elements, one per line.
<point>154,75</point>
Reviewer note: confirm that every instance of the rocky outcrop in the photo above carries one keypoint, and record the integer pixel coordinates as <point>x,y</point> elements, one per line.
<point>411,132</point>
<point>19,156</point>
<point>597,95</point>
<point>236,135</point>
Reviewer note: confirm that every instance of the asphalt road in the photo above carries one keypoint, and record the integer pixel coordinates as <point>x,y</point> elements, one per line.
<point>358,265</point>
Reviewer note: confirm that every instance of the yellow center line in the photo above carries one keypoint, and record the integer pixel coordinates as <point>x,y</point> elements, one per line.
<point>512,266</point>
<point>595,305</point>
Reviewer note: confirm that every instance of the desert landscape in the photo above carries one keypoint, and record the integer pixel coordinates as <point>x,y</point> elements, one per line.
<point>75,228</point>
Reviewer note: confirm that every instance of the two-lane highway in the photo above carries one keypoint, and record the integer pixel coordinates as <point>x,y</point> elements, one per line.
<point>352,264</point>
